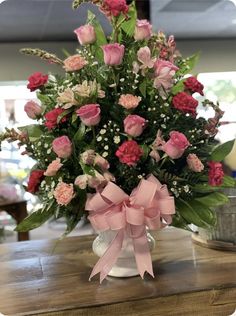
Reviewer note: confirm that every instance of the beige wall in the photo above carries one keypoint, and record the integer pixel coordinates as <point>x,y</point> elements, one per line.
<point>216,55</point>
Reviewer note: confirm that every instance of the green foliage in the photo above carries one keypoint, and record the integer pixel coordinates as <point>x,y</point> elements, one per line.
<point>213,199</point>
<point>36,218</point>
<point>188,65</point>
<point>34,131</point>
<point>221,151</point>
<point>129,26</point>
<point>79,135</point>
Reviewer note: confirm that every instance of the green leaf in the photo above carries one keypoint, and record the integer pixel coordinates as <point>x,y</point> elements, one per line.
<point>74,118</point>
<point>63,114</point>
<point>100,35</point>
<point>221,151</point>
<point>129,26</point>
<point>191,215</point>
<point>206,215</point>
<point>146,151</point>
<point>34,131</point>
<point>228,182</point>
<point>189,64</point>
<point>205,188</point>
<point>179,222</point>
<point>79,135</point>
<point>36,219</point>
<point>178,87</point>
<point>213,199</point>
<point>143,88</point>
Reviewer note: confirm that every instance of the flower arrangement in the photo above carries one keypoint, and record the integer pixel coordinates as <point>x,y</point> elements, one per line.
<point>119,135</point>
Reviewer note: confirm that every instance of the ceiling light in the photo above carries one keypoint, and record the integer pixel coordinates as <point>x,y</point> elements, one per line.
<point>1,1</point>
<point>233,1</point>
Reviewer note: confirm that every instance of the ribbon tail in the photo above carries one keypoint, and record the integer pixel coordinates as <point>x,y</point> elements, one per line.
<point>142,255</point>
<point>108,259</point>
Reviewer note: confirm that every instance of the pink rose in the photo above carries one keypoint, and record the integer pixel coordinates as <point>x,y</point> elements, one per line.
<point>53,167</point>
<point>32,109</point>
<point>62,146</point>
<point>113,54</point>
<point>194,163</point>
<point>115,7</point>
<point>164,73</point>
<point>129,101</point>
<point>88,157</point>
<point>86,34</point>
<point>82,181</point>
<point>129,153</point>
<point>176,145</point>
<point>89,114</point>
<point>143,30</point>
<point>134,125</point>
<point>63,193</point>
<point>74,63</point>
<point>101,162</point>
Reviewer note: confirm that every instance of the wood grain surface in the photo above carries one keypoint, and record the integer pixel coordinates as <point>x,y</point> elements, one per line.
<point>51,278</point>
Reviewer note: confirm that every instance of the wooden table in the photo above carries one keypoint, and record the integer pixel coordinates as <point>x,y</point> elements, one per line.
<point>18,210</point>
<point>38,279</point>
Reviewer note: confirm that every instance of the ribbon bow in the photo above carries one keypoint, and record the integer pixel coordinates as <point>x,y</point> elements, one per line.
<point>113,209</point>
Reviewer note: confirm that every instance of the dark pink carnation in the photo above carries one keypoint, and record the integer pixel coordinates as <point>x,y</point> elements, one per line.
<point>216,173</point>
<point>194,85</point>
<point>116,6</point>
<point>52,116</point>
<point>36,81</point>
<point>185,103</point>
<point>129,153</point>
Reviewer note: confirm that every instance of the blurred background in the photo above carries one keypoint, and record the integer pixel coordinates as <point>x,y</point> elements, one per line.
<point>204,26</point>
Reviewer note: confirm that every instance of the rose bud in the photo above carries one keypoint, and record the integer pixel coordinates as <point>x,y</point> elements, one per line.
<point>62,146</point>
<point>143,30</point>
<point>89,114</point>
<point>113,54</point>
<point>176,145</point>
<point>85,34</point>
<point>32,109</point>
<point>134,125</point>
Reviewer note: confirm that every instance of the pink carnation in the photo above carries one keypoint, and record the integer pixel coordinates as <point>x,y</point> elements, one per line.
<point>194,163</point>
<point>63,193</point>
<point>129,153</point>
<point>115,7</point>
<point>53,167</point>
<point>216,173</point>
<point>185,103</point>
<point>74,63</point>
<point>129,101</point>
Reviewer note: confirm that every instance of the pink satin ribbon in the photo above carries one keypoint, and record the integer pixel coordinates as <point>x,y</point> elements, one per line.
<point>149,205</point>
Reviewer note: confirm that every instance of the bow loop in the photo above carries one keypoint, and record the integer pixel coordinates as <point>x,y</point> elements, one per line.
<point>148,205</point>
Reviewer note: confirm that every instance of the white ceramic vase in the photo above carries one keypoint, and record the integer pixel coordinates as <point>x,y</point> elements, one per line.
<point>125,265</point>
